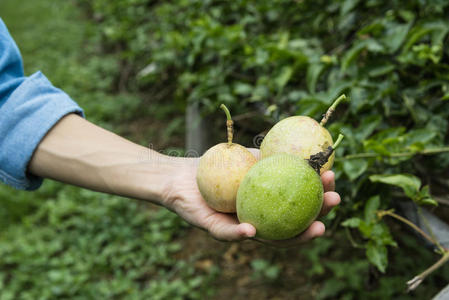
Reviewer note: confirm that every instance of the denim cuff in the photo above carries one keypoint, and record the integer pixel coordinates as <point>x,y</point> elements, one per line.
<point>25,118</point>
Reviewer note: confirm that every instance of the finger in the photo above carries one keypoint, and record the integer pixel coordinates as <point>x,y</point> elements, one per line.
<point>226,227</point>
<point>315,230</point>
<point>328,179</point>
<point>331,199</point>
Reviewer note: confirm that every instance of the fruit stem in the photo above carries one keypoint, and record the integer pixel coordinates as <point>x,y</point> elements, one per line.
<point>226,110</point>
<point>317,160</point>
<point>229,123</point>
<point>338,141</point>
<point>331,109</point>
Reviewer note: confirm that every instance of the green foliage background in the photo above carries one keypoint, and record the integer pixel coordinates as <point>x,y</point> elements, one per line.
<point>131,60</point>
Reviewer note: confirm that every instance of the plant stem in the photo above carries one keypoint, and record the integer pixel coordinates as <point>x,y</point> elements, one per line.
<point>416,281</point>
<point>331,109</point>
<point>429,229</point>
<point>229,123</point>
<point>338,141</point>
<point>351,239</point>
<point>318,160</point>
<point>381,213</point>
<point>226,110</point>
<point>396,154</point>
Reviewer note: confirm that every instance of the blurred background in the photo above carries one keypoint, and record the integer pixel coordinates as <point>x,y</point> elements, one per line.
<point>155,73</point>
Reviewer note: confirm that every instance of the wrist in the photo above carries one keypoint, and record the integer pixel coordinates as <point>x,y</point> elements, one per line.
<point>181,178</point>
<point>148,176</point>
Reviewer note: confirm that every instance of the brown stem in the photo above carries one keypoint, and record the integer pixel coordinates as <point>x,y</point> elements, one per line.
<point>229,124</point>
<point>381,213</point>
<point>396,154</point>
<point>429,229</point>
<point>351,239</point>
<point>416,281</point>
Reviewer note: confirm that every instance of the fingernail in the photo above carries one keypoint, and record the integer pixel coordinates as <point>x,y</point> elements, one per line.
<point>250,234</point>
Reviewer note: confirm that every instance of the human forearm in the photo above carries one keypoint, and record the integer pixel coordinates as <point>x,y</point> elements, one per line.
<point>78,152</point>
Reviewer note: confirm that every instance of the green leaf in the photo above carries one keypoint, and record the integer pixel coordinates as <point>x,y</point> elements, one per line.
<point>259,93</point>
<point>438,30</point>
<point>244,89</point>
<point>284,76</point>
<point>353,168</point>
<point>352,55</point>
<point>422,136</point>
<point>377,255</point>
<point>371,206</point>
<point>313,73</point>
<point>395,36</point>
<point>351,222</point>
<point>331,289</point>
<point>410,184</point>
<point>375,29</point>
<point>366,229</point>
<point>347,6</point>
<point>428,201</point>
<point>382,70</point>
<point>259,264</point>
<point>374,46</point>
<point>407,15</point>
<point>367,127</point>
<point>425,198</point>
<point>272,272</point>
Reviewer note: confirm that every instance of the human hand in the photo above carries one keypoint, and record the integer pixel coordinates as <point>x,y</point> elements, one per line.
<point>185,199</point>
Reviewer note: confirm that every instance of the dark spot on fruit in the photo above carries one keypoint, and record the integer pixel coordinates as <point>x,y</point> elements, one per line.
<point>316,161</point>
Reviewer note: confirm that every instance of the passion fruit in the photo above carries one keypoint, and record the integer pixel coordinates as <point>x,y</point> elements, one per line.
<point>280,196</point>
<point>221,169</point>
<point>301,136</point>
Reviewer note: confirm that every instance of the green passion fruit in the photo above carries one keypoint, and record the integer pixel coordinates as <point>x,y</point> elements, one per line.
<point>280,196</point>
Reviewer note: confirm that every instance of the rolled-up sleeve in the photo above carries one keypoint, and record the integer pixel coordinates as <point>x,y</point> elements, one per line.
<point>29,108</point>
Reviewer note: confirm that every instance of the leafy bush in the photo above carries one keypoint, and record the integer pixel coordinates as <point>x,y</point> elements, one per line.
<point>345,274</point>
<point>62,242</point>
<point>277,58</point>
<point>82,244</point>
<point>295,57</point>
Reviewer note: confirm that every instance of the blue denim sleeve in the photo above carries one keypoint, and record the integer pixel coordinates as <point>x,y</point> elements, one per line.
<point>29,108</point>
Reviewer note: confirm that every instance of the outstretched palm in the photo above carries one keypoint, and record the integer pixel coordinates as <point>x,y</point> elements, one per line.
<point>186,200</point>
